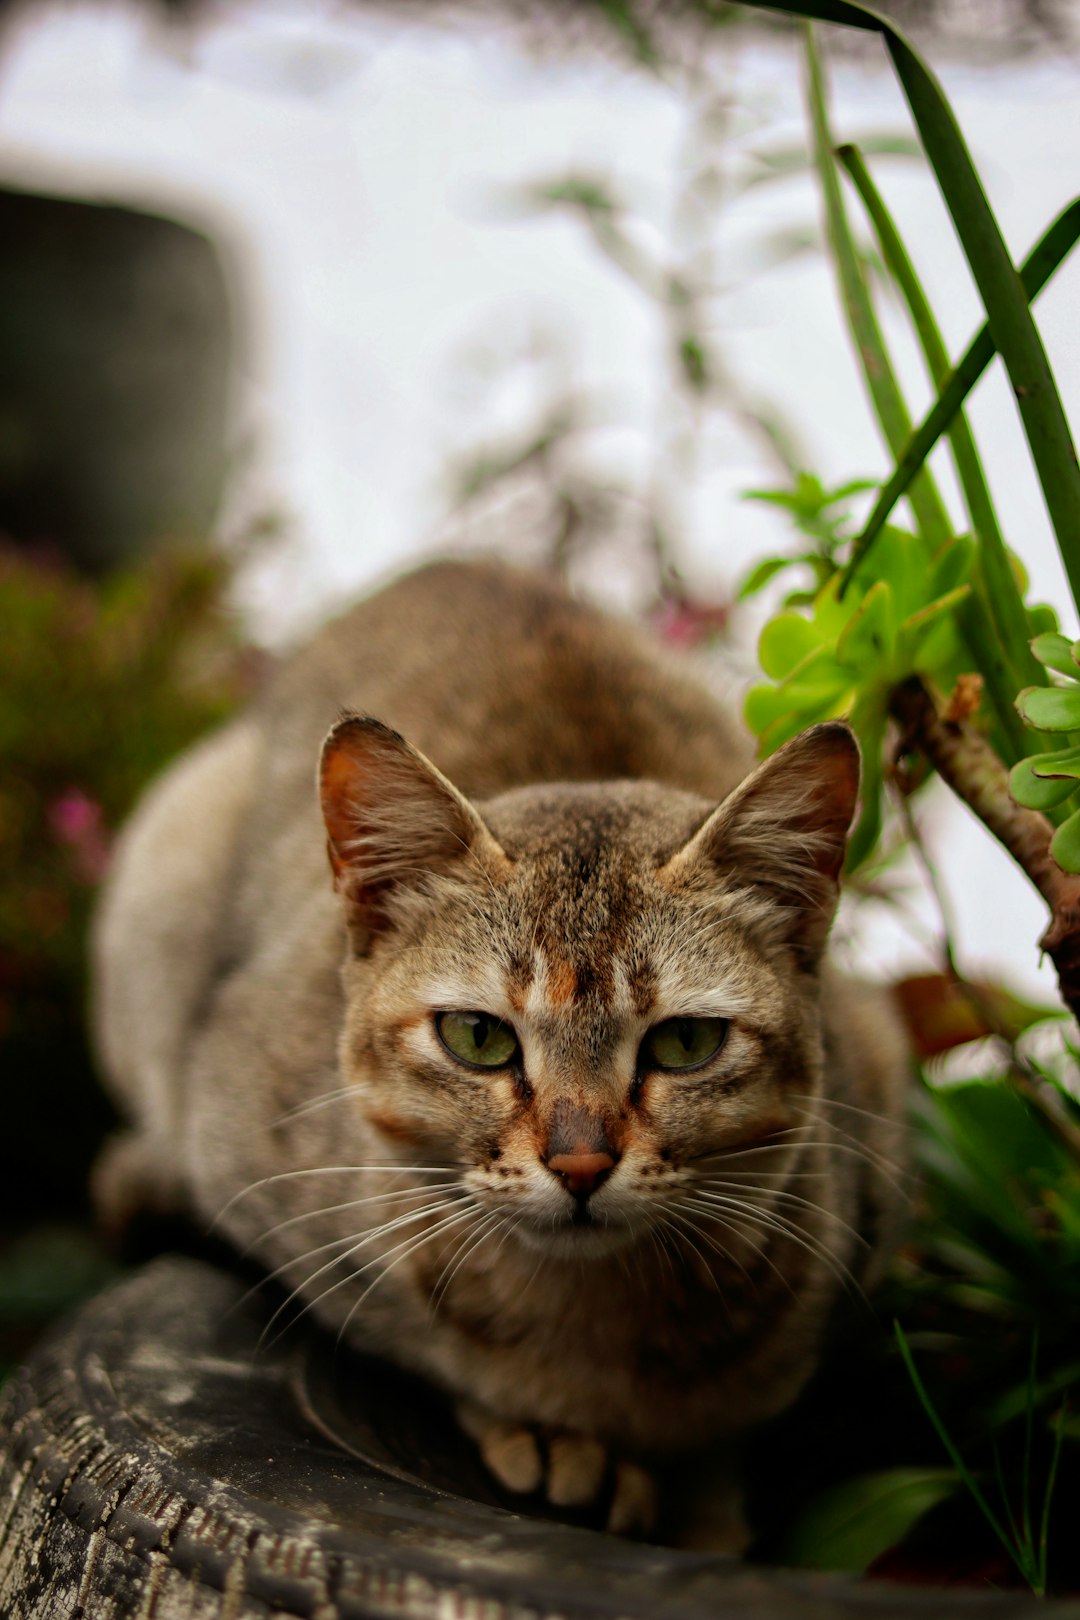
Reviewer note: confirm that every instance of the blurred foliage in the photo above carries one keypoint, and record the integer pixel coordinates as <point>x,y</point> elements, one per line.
<point>100,685</point>
<point>657,33</point>
<point>987,1289</point>
<point>43,1271</point>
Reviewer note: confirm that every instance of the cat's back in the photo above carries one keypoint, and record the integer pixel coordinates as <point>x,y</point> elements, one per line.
<point>503,680</point>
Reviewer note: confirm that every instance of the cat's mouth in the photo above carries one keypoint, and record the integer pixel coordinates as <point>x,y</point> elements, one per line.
<point>580,1235</point>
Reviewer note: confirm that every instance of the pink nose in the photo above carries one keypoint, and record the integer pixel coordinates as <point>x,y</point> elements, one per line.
<point>581,1173</point>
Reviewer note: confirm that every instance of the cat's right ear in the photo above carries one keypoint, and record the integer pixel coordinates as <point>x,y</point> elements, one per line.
<point>393,821</point>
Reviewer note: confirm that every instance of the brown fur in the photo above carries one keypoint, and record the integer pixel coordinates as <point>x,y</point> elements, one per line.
<point>621,1256</point>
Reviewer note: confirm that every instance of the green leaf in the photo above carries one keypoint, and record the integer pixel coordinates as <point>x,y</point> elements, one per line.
<point>921,620</point>
<point>854,486</point>
<point>906,561</point>
<point>694,362</point>
<point>1049,766</point>
<point>1050,708</point>
<point>938,649</point>
<point>1036,792</point>
<point>819,678</point>
<point>762,705</point>
<point>759,577</point>
<point>1056,652</point>
<point>1041,617</point>
<point>814,689</point>
<point>953,565</point>
<point>828,706</point>
<point>1065,844</point>
<point>868,720</point>
<point>869,639</point>
<point>785,642</point>
<point>584,191</point>
<point>850,1525</point>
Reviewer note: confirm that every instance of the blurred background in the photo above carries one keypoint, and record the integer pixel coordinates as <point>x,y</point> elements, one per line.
<point>292,295</point>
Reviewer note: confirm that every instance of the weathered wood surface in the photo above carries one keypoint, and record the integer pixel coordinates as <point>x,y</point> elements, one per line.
<point>155,1465</point>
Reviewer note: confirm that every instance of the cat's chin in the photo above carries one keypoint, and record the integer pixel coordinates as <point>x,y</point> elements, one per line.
<point>574,1241</point>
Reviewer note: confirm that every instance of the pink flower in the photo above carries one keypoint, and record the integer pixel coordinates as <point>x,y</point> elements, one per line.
<point>687,624</point>
<point>76,821</point>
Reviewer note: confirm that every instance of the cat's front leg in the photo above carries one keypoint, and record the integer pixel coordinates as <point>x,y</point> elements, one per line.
<point>570,1470</point>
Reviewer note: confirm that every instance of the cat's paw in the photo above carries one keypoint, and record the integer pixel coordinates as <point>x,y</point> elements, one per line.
<point>130,1180</point>
<point>569,1470</point>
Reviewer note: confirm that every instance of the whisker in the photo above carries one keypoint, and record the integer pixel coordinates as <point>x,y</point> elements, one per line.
<point>461,1254</point>
<point>848,1108</point>
<point>789,1198</point>
<point>853,1151</point>
<point>402,1251</point>
<point>737,1231</point>
<point>675,1224</point>
<point>788,1175</point>
<point>658,1241</point>
<point>354,1203</point>
<point>391,1166</point>
<point>408,1244</point>
<point>887,1168</point>
<point>313,1104</point>
<point>353,1241</point>
<point>773,1221</point>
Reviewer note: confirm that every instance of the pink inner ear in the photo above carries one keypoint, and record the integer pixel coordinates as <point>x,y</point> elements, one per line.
<point>391,817</point>
<point>835,788</point>
<point>349,784</point>
<point>338,782</point>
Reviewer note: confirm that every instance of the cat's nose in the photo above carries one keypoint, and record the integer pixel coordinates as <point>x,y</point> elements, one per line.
<point>581,1173</point>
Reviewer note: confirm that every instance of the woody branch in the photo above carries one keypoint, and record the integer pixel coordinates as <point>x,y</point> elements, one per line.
<point>965,760</point>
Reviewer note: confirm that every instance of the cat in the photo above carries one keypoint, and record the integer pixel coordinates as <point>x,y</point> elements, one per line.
<point>512,1050</point>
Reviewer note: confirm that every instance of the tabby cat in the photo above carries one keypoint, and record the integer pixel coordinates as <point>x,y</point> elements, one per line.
<point>542,1087</point>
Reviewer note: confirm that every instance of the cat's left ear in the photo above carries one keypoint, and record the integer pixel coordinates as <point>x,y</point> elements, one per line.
<point>392,822</point>
<point>784,830</point>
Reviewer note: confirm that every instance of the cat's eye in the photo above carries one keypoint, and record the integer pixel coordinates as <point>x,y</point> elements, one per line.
<point>477,1038</point>
<point>683,1043</point>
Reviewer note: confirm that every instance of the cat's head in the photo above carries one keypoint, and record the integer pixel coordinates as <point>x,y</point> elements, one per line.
<point>579,996</point>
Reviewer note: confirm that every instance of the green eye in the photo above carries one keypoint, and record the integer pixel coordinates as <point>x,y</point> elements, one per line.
<point>683,1043</point>
<point>477,1038</point>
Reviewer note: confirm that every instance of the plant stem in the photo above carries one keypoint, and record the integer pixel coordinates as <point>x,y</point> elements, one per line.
<point>965,760</point>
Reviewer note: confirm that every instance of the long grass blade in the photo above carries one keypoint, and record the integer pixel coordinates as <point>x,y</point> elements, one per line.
<point>1046,257</point>
<point>1008,315</point>
<point>884,390</point>
<point>993,618</point>
<point>1051,1481</point>
<point>958,1462</point>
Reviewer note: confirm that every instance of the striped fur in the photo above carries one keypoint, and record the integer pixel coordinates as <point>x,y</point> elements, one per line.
<point>572,842</point>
